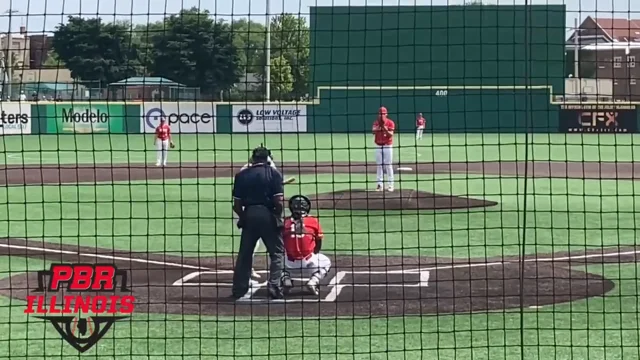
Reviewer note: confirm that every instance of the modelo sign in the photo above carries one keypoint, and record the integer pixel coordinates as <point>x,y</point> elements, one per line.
<point>182,117</point>
<point>279,118</point>
<point>15,118</point>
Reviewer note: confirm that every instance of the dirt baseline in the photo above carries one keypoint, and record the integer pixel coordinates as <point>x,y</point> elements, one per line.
<point>91,173</point>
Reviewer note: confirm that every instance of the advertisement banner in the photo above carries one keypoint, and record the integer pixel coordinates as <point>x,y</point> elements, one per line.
<point>581,118</point>
<point>15,118</point>
<point>85,118</point>
<point>263,118</point>
<point>187,117</point>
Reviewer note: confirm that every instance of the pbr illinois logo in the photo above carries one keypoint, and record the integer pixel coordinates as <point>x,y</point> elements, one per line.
<point>82,320</point>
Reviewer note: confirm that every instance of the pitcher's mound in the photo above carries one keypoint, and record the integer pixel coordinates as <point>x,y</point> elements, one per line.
<point>407,199</point>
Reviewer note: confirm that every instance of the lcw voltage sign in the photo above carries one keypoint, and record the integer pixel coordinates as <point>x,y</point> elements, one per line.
<point>87,118</point>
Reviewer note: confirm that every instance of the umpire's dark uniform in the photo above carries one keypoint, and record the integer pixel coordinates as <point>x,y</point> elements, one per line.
<point>258,190</point>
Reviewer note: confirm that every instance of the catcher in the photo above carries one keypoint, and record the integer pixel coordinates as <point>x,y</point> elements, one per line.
<point>302,235</point>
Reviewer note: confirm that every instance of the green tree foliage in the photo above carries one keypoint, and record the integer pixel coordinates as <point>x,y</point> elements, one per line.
<point>142,38</point>
<point>196,51</point>
<point>52,60</point>
<point>96,51</point>
<point>282,80</point>
<point>290,39</point>
<point>249,38</point>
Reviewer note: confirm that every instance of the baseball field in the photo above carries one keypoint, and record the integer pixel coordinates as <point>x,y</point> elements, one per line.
<point>492,247</point>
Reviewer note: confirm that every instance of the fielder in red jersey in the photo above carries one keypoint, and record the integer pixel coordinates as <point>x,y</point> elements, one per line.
<point>383,130</point>
<point>162,142</point>
<point>302,235</point>
<point>420,125</point>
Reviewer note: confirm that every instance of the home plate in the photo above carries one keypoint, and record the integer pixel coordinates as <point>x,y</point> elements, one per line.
<point>404,169</point>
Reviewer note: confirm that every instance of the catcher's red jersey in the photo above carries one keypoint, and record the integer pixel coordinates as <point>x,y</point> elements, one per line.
<point>299,247</point>
<point>163,132</point>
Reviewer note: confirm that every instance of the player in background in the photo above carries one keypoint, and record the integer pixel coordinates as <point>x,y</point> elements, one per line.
<point>162,142</point>
<point>302,235</point>
<point>420,124</point>
<point>383,129</point>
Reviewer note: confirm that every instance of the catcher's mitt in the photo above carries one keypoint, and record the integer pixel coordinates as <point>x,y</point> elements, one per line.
<point>172,145</point>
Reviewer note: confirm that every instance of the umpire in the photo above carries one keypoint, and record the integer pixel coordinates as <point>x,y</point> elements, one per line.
<point>258,201</point>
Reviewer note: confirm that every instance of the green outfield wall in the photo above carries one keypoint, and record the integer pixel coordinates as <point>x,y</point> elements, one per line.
<point>437,46</point>
<point>453,111</point>
<point>498,110</point>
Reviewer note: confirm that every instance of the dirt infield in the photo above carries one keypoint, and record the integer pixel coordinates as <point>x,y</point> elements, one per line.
<point>66,174</point>
<point>404,199</point>
<point>356,286</point>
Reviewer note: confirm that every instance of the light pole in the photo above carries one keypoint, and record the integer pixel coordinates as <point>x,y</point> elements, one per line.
<point>267,52</point>
<point>8,61</point>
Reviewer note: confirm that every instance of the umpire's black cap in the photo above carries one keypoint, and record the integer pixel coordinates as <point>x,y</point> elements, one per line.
<point>260,154</point>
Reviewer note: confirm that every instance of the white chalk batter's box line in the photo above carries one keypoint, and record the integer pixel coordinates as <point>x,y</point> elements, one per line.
<point>335,284</point>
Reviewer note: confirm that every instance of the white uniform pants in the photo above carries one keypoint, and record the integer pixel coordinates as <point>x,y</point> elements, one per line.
<point>384,160</point>
<point>316,267</point>
<point>419,132</point>
<point>162,150</point>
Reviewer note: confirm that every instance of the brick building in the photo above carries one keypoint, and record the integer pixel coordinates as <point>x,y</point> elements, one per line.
<point>609,49</point>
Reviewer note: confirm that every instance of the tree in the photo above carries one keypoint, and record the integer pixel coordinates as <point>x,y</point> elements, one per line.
<point>142,39</point>
<point>282,80</point>
<point>95,51</point>
<point>197,51</point>
<point>249,39</point>
<point>290,39</point>
<point>52,60</point>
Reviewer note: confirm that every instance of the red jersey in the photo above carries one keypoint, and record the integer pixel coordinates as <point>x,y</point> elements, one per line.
<point>420,121</point>
<point>298,247</point>
<point>163,132</point>
<point>380,136</point>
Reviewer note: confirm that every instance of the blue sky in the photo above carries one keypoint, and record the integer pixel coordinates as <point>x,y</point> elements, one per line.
<point>44,15</point>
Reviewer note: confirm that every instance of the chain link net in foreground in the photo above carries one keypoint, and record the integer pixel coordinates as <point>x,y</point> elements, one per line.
<point>509,234</point>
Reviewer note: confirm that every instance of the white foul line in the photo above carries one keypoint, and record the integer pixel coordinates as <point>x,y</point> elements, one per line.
<point>101,256</point>
<point>502,263</point>
<point>336,288</point>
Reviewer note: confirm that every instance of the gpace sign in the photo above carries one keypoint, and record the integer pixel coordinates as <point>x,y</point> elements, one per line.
<point>584,118</point>
<point>182,117</point>
<point>283,117</point>
<point>15,118</point>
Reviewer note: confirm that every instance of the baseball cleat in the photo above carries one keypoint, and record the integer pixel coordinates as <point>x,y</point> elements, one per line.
<point>254,274</point>
<point>313,289</point>
<point>379,188</point>
<point>157,164</point>
<point>390,189</point>
<point>287,285</point>
<point>274,293</point>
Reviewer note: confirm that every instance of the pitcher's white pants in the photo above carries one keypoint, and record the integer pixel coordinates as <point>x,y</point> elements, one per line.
<point>316,266</point>
<point>384,162</point>
<point>162,151</point>
<point>419,132</point>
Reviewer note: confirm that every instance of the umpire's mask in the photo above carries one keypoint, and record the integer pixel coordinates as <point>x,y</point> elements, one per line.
<point>299,205</point>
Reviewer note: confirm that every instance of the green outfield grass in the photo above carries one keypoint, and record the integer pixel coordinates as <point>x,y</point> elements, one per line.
<point>104,148</point>
<point>193,217</point>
